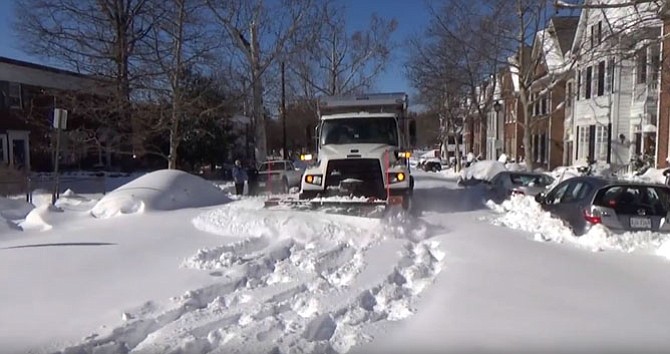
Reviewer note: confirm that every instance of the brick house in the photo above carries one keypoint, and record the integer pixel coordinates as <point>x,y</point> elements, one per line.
<point>28,94</point>
<point>548,92</point>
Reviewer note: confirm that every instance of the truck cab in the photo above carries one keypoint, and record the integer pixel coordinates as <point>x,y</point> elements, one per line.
<point>363,149</point>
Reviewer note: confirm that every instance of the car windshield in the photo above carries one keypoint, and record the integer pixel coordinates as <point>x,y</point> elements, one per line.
<point>272,166</point>
<point>360,131</point>
<point>629,199</point>
<point>530,180</point>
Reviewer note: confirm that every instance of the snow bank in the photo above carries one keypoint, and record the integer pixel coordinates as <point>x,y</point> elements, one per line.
<point>482,170</point>
<point>12,210</point>
<point>652,175</point>
<point>523,213</point>
<point>160,190</point>
<point>40,219</point>
<point>563,173</point>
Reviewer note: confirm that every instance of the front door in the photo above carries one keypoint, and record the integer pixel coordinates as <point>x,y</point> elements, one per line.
<point>19,153</point>
<point>4,155</point>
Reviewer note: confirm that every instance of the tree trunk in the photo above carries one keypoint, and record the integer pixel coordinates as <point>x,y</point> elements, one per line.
<point>527,147</point>
<point>257,93</point>
<point>483,135</point>
<point>175,136</point>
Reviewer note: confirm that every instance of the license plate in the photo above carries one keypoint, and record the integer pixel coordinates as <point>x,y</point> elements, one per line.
<point>640,223</point>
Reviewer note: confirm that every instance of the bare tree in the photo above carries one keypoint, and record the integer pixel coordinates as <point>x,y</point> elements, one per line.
<point>458,53</point>
<point>263,34</point>
<point>182,45</point>
<point>339,62</point>
<point>100,38</point>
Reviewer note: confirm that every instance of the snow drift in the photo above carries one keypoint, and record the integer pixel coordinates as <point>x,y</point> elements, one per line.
<point>12,210</point>
<point>159,190</point>
<point>523,213</point>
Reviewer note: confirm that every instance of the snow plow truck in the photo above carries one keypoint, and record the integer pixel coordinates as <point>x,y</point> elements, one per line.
<point>363,148</point>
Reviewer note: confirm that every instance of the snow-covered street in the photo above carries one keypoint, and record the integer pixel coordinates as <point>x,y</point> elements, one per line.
<point>226,276</point>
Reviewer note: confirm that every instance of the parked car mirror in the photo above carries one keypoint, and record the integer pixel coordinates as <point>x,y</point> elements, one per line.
<point>540,197</point>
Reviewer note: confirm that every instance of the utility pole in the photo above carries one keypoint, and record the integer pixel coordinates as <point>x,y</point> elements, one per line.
<point>283,108</point>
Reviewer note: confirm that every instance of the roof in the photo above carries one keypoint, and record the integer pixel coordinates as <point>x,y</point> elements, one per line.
<point>566,28</point>
<point>42,76</point>
<point>40,67</point>
<point>623,20</point>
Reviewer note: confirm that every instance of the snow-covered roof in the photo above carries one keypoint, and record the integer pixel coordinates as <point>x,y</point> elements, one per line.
<point>619,20</point>
<point>553,41</point>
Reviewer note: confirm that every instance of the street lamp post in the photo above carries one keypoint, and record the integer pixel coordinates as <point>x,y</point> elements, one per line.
<point>496,106</point>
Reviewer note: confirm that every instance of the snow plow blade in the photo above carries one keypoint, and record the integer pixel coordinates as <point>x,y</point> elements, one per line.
<point>344,206</point>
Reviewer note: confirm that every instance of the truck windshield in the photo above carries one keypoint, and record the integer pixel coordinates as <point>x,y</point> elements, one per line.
<point>360,131</point>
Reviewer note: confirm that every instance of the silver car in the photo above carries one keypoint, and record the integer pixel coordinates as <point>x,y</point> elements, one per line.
<point>620,206</point>
<point>506,183</point>
<point>278,176</point>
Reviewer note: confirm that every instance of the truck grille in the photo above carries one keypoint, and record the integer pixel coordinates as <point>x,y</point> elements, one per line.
<point>367,170</point>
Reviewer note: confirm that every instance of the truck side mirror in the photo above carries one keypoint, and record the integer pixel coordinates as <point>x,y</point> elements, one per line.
<point>412,132</point>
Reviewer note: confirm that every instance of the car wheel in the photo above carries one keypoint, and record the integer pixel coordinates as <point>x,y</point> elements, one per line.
<point>285,187</point>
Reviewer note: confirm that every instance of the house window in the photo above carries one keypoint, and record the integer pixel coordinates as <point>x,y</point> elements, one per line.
<point>583,142</point>
<point>641,67</point>
<point>655,65</point>
<point>601,78</point>
<point>601,143</point>
<point>543,148</point>
<point>568,96</point>
<point>588,82</point>
<point>579,84</point>
<point>14,95</point>
<point>609,76</point>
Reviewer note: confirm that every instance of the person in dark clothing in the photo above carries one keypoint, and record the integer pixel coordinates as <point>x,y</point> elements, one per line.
<point>239,177</point>
<point>252,172</point>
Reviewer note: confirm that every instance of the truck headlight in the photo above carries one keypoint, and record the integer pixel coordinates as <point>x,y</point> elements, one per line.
<point>314,179</point>
<point>398,177</point>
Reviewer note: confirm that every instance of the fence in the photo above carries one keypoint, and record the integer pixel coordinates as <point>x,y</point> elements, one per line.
<point>28,186</point>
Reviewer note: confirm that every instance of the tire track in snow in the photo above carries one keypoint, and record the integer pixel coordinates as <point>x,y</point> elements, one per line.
<point>291,284</point>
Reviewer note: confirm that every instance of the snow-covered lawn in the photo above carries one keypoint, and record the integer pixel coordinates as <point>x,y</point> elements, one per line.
<point>169,264</point>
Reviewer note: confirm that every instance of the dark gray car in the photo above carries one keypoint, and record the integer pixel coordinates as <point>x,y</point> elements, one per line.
<point>618,205</point>
<point>506,183</point>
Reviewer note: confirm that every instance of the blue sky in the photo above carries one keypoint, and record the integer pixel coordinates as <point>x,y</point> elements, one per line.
<point>410,14</point>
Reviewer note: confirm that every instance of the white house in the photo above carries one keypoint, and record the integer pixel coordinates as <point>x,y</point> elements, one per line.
<point>614,116</point>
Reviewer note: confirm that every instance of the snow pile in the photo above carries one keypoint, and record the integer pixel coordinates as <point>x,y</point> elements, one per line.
<point>523,213</point>
<point>652,175</point>
<point>482,170</point>
<point>40,218</point>
<point>293,283</point>
<point>12,210</point>
<point>563,173</point>
<point>160,190</point>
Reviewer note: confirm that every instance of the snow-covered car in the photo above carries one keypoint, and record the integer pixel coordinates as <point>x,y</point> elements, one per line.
<point>278,176</point>
<point>506,183</point>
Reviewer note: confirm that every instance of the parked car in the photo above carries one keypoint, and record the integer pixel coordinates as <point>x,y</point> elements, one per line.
<point>431,165</point>
<point>278,176</point>
<point>506,183</point>
<point>618,205</point>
